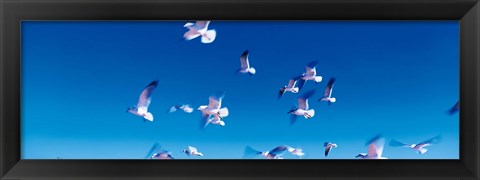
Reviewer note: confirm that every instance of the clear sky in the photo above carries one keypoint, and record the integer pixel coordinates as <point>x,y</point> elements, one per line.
<point>397,78</point>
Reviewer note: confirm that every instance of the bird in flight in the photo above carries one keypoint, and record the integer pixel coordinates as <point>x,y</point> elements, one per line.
<point>141,109</point>
<point>200,28</point>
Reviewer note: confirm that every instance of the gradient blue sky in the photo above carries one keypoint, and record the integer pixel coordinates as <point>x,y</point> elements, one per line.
<point>397,78</point>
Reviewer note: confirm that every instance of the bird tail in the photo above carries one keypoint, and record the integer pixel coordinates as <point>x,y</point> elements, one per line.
<point>295,90</point>
<point>148,116</point>
<point>252,71</point>
<point>309,114</point>
<point>422,151</point>
<point>209,36</point>
<point>188,24</point>
<point>318,79</point>
<point>223,112</point>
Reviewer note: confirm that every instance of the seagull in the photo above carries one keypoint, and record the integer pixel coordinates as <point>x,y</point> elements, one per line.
<point>375,149</point>
<point>327,95</point>
<point>328,147</point>
<point>186,108</point>
<point>455,108</point>
<point>295,151</point>
<point>156,152</point>
<point>302,109</point>
<point>310,74</point>
<point>216,119</point>
<point>213,109</point>
<point>200,28</point>
<point>143,102</point>
<point>275,153</point>
<point>289,88</point>
<point>420,147</point>
<point>245,65</point>
<point>192,151</point>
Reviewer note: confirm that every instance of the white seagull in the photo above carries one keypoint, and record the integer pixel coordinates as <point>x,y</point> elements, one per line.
<point>420,147</point>
<point>213,109</point>
<point>200,28</point>
<point>295,151</point>
<point>192,151</point>
<point>275,153</point>
<point>186,108</point>
<point>156,152</point>
<point>302,109</point>
<point>245,64</point>
<point>375,149</point>
<point>289,88</point>
<point>310,74</point>
<point>328,147</point>
<point>141,109</point>
<point>327,95</point>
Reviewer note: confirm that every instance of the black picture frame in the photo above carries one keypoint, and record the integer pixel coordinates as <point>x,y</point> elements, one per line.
<point>12,12</point>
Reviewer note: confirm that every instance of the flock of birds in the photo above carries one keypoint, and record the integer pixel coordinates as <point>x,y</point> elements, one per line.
<point>214,113</point>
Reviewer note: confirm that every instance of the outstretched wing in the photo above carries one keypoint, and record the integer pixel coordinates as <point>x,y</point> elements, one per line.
<point>250,152</point>
<point>244,60</point>
<point>145,96</point>
<point>201,26</point>
<point>455,108</point>
<point>310,68</point>
<point>395,143</point>
<point>215,101</point>
<point>329,88</point>
<point>155,148</point>
<point>303,100</point>
<point>327,150</point>
<point>375,146</point>
<point>291,83</point>
<point>278,150</point>
<point>204,121</point>
<point>434,140</point>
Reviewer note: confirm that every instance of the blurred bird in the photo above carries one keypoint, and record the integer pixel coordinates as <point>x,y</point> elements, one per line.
<point>455,108</point>
<point>156,152</point>
<point>216,119</point>
<point>289,88</point>
<point>310,74</point>
<point>213,109</point>
<point>141,109</point>
<point>200,28</point>
<point>375,149</point>
<point>420,147</point>
<point>186,108</point>
<point>328,147</point>
<point>327,95</point>
<point>275,153</point>
<point>245,64</point>
<point>192,151</point>
<point>302,109</point>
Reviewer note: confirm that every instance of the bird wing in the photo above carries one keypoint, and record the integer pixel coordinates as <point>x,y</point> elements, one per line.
<point>303,100</point>
<point>395,143</point>
<point>201,26</point>
<point>156,147</point>
<point>244,60</point>
<point>291,83</point>
<point>278,150</point>
<point>250,152</point>
<point>310,71</point>
<point>455,108</point>
<point>375,146</point>
<point>327,150</point>
<point>204,120</point>
<point>192,149</point>
<point>145,96</point>
<point>433,140</point>
<point>214,102</point>
<point>329,88</point>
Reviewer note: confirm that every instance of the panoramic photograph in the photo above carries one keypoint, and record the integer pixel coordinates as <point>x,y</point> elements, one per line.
<point>244,90</point>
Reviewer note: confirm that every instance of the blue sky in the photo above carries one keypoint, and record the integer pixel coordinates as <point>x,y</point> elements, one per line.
<point>397,78</point>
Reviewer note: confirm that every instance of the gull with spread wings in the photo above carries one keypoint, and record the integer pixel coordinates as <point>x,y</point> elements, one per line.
<point>420,147</point>
<point>375,149</point>
<point>302,108</point>
<point>327,95</point>
<point>141,109</point>
<point>214,108</point>
<point>245,64</point>
<point>200,28</point>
